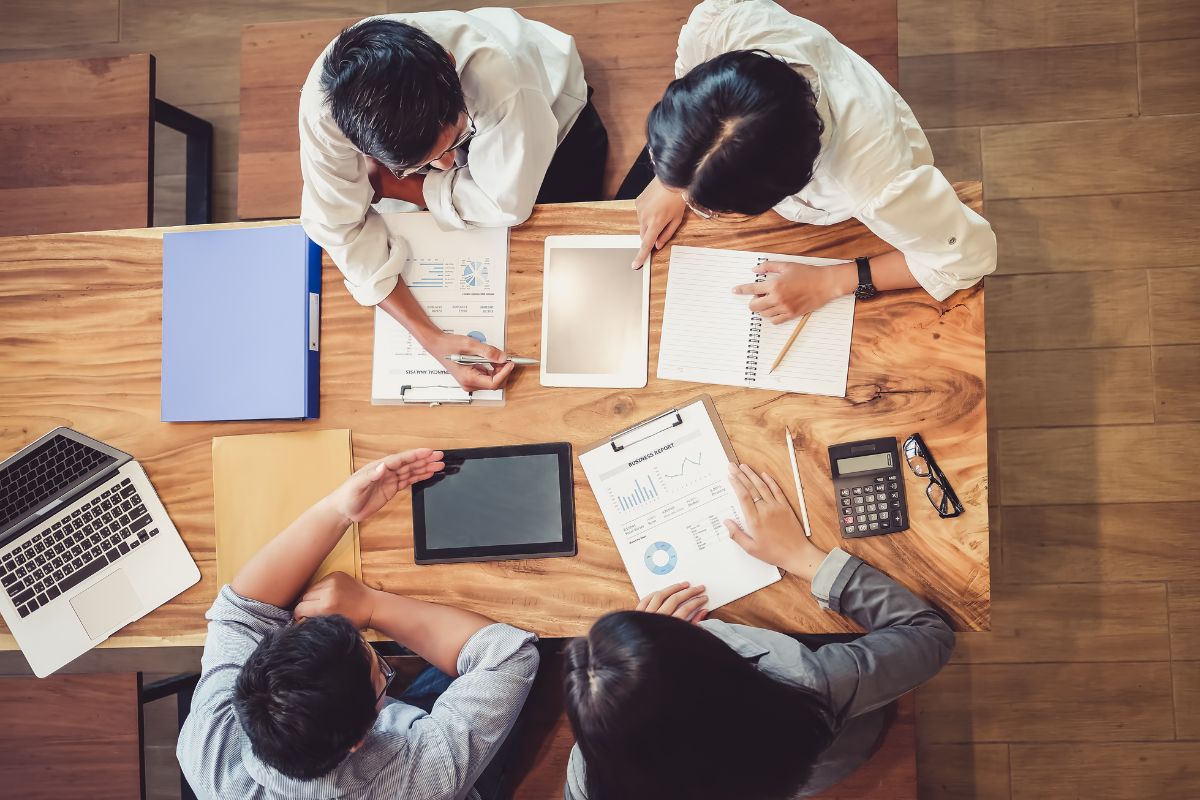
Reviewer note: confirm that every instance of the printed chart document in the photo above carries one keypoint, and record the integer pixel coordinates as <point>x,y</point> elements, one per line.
<point>709,334</point>
<point>663,487</point>
<point>460,278</point>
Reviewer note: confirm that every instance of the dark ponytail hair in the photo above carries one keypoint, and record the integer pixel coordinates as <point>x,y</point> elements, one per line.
<point>739,132</point>
<point>663,709</point>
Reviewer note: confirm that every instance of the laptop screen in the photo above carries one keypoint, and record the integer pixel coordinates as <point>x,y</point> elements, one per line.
<point>45,472</point>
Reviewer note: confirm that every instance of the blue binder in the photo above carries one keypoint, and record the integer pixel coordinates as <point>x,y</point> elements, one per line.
<point>241,311</point>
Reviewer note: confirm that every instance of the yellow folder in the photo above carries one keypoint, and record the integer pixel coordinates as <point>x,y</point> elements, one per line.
<point>262,482</point>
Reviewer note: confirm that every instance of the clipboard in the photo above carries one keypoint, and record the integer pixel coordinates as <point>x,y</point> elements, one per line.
<point>663,488</point>
<point>662,423</point>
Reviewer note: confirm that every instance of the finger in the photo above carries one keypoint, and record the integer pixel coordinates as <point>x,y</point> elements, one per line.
<point>407,459</point>
<point>475,347</point>
<point>674,601</point>
<point>769,266</point>
<point>751,288</point>
<point>776,492</point>
<point>688,610</point>
<point>777,319</point>
<point>699,616</point>
<point>668,232</point>
<point>739,536</point>
<point>497,378</point>
<point>762,303</point>
<point>648,239</point>
<point>741,488</point>
<point>653,601</point>
<point>760,488</point>
<point>308,608</point>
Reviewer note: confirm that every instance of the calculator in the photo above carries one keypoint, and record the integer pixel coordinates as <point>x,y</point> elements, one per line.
<point>869,487</point>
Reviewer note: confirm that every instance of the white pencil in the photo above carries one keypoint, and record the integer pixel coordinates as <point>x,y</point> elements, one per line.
<point>791,446</point>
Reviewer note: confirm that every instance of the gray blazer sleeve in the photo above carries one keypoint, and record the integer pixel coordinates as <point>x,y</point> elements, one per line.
<point>906,643</point>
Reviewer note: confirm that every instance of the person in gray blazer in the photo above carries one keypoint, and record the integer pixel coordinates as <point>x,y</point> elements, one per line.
<point>667,704</point>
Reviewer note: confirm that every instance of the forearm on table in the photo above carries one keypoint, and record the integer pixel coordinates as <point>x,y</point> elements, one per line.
<point>278,572</point>
<point>888,271</point>
<point>433,631</point>
<point>402,306</point>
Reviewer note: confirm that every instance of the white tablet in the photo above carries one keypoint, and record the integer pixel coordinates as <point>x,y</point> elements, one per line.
<point>595,313</point>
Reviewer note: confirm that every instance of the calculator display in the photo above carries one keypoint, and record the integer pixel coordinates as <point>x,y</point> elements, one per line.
<point>877,461</point>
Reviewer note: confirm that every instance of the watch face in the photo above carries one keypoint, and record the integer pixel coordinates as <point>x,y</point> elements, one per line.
<point>866,292</point>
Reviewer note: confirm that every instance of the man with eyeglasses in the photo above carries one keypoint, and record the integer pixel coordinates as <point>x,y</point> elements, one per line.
<point>292,701</point>
<point>475,116</point>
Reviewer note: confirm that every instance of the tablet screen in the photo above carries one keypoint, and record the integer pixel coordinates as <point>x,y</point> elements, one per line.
<point>493,502</point>
<point>593,311</point>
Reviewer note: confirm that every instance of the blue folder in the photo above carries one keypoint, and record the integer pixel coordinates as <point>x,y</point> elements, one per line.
<point>241,310</point>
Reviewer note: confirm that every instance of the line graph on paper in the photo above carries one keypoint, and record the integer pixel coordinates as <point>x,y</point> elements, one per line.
<point>683,471</point>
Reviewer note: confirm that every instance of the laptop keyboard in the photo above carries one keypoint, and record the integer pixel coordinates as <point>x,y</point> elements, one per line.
<point>75,548</point>
<point>44,472</point>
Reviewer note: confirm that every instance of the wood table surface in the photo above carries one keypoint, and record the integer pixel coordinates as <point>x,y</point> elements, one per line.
<point>80,345</point>
<point>628,54</point>
<point>76,139</point>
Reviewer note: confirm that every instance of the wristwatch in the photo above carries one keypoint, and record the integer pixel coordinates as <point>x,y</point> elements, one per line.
<point>866,290</point>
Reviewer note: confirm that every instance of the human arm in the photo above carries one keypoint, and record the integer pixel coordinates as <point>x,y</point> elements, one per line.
<point>907,640</point>
<point>506,162</point>
<point>792,290</point>
<point>277,573</point>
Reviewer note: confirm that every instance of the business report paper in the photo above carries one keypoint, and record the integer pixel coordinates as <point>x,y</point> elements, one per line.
<point>665,497</point>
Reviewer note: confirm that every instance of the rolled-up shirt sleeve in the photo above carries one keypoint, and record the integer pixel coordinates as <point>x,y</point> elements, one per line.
<point>906,644</point>
<point>336,212</point>
<point>506,163</point>
<point>473,716</point>
<point>946,244</point>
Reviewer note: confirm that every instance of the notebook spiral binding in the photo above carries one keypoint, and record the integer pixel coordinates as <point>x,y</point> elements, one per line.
<point>754,339</point>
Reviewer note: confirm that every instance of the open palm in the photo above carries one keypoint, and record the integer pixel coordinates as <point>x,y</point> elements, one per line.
<point>370,488</point>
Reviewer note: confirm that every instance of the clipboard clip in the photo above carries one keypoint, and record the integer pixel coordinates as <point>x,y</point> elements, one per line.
<point>650,427</point>
<point>432,396</point>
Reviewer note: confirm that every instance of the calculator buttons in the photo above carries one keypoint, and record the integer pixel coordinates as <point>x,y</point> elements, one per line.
<point>845,492</point>
<point>845,501</point>
<point>893,486</point>
<point>892,478</point>
<point>895,495</point>
<point>879,479</point>
<point>874,526</point>
<point>881,497</point>
<point>883,515</point>
<point>858,490</point>
<point>849,529</point>
<point>847,520</point>
<point>862,528</point>
<point>872,518</point>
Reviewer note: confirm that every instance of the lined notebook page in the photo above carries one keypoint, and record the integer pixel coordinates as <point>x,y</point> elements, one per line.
<point>709,334</point>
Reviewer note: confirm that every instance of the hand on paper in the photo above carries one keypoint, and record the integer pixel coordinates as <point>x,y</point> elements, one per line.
<point>772,532</point>
<point>369,489</point>
<point>660,212</point>
<point>792,290</point>
<point>338,593</point>
<point>682,601</point>
<point>472,377</point>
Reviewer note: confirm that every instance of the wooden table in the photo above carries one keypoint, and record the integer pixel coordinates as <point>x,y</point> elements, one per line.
<point>81,346</point>
<point>78,142</point>
<point>628,53</point>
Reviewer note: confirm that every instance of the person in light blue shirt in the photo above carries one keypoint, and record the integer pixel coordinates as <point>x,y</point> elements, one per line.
<point>292,701</point>
<point>668,705</point>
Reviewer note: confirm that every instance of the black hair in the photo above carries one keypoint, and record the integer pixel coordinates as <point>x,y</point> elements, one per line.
<point>739,132</point>
<point>392,90</point>
<point>663,709</point>
<point>305,696</point>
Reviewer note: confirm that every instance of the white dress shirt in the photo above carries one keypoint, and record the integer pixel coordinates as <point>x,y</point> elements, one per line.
<point>524,87</point>
<point>875,164</point>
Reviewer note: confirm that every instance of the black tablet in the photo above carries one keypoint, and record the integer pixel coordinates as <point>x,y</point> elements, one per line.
<point>494,503</point>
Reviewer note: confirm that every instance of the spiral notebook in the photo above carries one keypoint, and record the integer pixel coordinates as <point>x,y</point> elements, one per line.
<point>709,334</point>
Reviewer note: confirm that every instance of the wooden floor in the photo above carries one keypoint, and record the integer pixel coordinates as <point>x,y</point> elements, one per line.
<point>1083,119</point>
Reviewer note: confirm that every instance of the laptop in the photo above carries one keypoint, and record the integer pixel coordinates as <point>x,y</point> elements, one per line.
<point>86,547</point>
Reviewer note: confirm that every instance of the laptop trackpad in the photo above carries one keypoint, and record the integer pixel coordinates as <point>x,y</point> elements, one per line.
<point>110,602</point>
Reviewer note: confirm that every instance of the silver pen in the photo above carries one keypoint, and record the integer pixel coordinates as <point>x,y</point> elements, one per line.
<point>458,358</point>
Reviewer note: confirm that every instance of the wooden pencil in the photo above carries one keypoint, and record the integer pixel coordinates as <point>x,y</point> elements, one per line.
<point>788,344</point>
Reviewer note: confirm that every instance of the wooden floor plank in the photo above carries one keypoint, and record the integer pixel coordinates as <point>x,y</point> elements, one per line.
<point>1167,19</point>
<point>1113,464</point>
<point>31,25</point>
<point>1177,383</point>
<point>1007,86</point>
<point>956,152</point>
<point>1095,622</point>
<point>1175,315</point>
<point>1100,543</point>
<point>1106,771</point>
<point>1186,677</point>
<point>145,19</point>
<point>1103,232</point>
<point>1101,386</point>
<point>957,771</point>
<point>1054,312</point>
<point>934,26</point>
<point>1184,602</point>
<point>1054,159</point>
<point>1047,703</point>
<point>1170,82</point>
